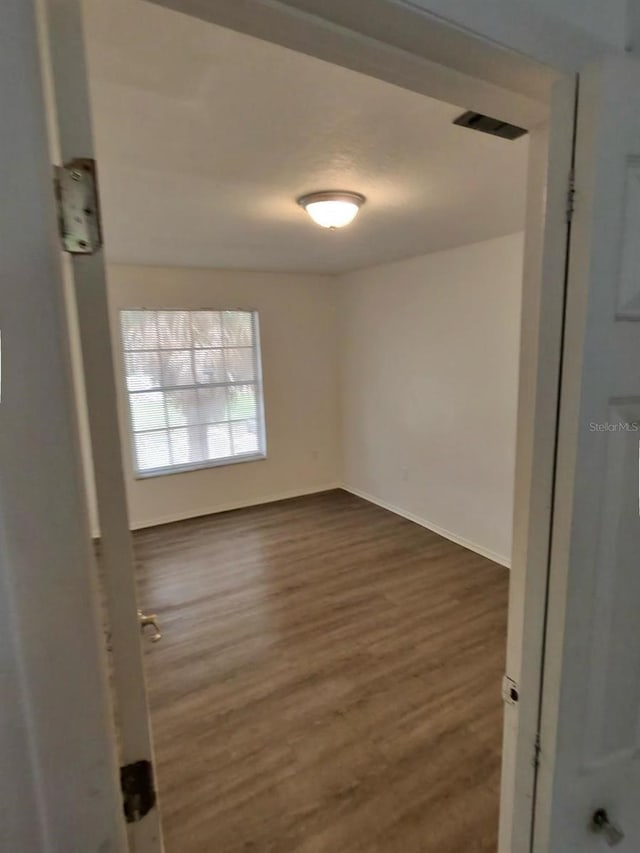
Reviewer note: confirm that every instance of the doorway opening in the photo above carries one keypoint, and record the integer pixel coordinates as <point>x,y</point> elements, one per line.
<point>363,406</point>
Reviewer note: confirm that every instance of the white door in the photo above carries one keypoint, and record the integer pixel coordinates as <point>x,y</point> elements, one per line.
<point>66,92</point>
<point>590,735</point>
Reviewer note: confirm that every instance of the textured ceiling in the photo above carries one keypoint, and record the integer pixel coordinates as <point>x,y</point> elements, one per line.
<point>205,138</point>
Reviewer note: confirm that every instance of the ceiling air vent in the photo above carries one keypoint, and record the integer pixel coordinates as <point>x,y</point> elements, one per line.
<point>486,124</point>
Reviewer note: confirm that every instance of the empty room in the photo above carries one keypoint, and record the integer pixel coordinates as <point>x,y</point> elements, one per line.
<point>314,287</point>
<point>283,282</point>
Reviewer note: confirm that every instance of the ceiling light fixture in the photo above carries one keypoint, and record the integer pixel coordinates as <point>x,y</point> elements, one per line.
<point>332,209</point>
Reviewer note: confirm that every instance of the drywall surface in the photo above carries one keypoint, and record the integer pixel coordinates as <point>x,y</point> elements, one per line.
<point>429,378</point>
<point>538,27</point>
<point>606,21</point>
<point>298,334</point>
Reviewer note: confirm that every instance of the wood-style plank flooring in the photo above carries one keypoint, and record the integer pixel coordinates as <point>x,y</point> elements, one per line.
<point>328,680</point>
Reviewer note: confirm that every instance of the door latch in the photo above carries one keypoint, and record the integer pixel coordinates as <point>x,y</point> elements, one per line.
<point>138,791</point>
<point>600,823</point>
<point>510,691</point>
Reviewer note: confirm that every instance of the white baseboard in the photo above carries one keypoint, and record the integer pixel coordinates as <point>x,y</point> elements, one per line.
<point>297,493</point>
<point>435,528</point>
<point>212,510</point>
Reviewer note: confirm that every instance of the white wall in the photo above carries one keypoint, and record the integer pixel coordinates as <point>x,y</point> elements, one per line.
<point>429,366</point>
<point>607,21</point>
<point>398,381</point>
<point>298,332</point>
<point>538,28</point>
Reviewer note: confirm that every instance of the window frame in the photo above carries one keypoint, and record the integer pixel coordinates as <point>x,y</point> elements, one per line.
<point>258,383</point>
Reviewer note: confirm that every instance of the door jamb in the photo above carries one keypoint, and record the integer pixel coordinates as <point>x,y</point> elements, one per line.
<point>538,406</point>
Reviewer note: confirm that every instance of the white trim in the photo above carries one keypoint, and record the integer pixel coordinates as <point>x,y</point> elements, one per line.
<point>214,510</point>
<point>224,462</point>
<point>434,528</point>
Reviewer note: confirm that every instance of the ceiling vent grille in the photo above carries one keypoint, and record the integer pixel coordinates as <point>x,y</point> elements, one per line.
<point>486,124</point>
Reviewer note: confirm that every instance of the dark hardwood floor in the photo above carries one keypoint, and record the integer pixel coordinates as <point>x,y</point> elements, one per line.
<point>328,680</point>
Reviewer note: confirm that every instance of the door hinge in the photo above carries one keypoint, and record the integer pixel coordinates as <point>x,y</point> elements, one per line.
<point>78,201</point>
<point>138,791</point>
<point>571,194</point>
<point>537,749</point>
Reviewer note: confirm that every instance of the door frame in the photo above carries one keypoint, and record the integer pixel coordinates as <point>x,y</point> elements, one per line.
<point>68,107</point>
<point>54,667</point>
<point>547,237</point>
<point>26,564</point>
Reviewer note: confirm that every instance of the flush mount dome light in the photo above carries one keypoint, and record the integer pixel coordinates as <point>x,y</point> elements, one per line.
<point>332,209</point>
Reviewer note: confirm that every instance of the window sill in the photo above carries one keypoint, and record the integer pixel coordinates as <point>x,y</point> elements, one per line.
<point>199,466</point>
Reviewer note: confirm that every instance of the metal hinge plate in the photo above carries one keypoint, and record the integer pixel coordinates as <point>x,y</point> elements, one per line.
<point>138,791</point>
<point>76,188</point>
<point>537,750</point>
<point>571,195</point>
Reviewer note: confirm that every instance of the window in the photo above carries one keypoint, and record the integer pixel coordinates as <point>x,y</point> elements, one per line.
<point>195,388</point>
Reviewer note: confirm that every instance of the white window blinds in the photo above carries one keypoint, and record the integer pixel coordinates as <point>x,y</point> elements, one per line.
<point>194,386</point>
